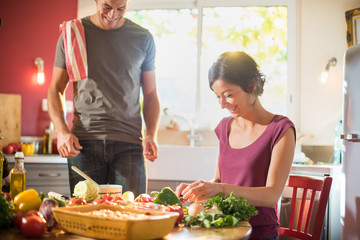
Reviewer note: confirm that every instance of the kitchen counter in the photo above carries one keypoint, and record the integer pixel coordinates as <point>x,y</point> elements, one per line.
<point>39,158</point>
<point>178,233</point>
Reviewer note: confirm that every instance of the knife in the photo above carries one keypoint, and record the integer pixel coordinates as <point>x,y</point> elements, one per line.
<point>58,196</point>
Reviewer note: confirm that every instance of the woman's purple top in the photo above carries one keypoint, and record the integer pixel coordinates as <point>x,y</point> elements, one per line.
<point>249,167</point>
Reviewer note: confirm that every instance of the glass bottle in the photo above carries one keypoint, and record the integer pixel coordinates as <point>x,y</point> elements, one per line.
<point>18,175</point>
<point>47,147</point>
<point>2,158</point>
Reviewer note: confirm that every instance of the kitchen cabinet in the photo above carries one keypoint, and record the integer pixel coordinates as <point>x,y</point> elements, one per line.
<point>50,173</point>
<point>46,174</point>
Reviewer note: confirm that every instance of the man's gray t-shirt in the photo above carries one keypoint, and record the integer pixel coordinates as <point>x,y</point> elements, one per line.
<point>107,102</point>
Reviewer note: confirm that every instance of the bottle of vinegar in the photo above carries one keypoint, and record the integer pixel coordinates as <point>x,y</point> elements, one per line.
<point>18,175</point>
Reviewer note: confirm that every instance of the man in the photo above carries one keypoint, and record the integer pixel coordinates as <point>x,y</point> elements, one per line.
<point>106,140</point>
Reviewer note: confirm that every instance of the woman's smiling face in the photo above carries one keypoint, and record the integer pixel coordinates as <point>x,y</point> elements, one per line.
<point>233,98</point>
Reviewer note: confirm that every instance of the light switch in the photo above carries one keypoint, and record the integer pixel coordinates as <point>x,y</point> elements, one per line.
<point>44,105</point>
<point>69,106</point>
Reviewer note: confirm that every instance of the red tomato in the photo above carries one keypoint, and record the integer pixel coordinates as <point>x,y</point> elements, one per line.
<point>33,226</point>
<point>76,201</point>
<point>8,149</point>
<point>108,197</point>
<point>17,221</point>
<point>98,201</point>
<point>16,146</point>
<point>143,198</point>
<point>177,209</point>
<point>7,196</point>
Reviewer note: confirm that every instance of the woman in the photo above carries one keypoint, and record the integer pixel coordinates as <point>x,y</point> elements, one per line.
<point>256,147</point>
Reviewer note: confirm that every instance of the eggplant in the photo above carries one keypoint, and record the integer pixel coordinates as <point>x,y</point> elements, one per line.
<point>45,211</point>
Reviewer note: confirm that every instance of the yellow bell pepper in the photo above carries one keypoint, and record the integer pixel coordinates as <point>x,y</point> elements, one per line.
<point>27,200</point>
<point>28,148</point>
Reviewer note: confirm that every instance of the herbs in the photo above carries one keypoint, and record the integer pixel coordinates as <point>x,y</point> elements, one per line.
<point>5,213</point>
<point>234,210</point>
<point>234,206</point>
<point>209,220</point>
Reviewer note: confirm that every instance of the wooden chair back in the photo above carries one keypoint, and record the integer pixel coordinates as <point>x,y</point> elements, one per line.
<point>302,207</point>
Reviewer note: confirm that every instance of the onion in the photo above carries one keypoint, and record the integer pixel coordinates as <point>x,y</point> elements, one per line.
<point>195,209</point>
<point>45,211</point>
<point>215,209</point>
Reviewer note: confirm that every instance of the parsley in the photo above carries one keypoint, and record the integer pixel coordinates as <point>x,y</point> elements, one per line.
<point>234,206</point>
<point>234,210</point>
<point>5,213</point>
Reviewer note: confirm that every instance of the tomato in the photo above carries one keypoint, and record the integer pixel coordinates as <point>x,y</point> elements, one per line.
<point>33,226</point>
<point>17,221</point>
<point>76,201</point>
<point>98,201</point>
<point>8,149</point>
<point>7,196</point>
<point>175,208</point>
<point>108,197</point>
<point>16,146</point>
<point>143,198</point>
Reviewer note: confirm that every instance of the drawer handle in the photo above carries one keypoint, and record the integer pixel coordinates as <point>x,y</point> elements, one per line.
<point>49,174</point>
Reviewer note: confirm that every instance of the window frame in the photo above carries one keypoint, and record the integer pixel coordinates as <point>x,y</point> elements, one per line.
<point>293,54</point>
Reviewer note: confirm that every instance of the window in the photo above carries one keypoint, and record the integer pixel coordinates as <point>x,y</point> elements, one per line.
<point>188,40</point>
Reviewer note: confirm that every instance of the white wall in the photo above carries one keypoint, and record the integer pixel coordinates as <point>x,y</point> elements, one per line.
<point>322,36</point>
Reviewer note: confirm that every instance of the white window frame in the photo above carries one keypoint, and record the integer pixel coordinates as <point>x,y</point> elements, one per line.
<point>87,7</point>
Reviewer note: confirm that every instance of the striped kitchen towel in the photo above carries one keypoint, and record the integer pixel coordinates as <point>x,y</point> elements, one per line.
<point>75,49</point>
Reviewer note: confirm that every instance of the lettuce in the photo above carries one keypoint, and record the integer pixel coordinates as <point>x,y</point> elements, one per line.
<point>86,190</point>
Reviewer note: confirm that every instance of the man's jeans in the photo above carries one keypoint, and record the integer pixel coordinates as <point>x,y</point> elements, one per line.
<point>110,162</point>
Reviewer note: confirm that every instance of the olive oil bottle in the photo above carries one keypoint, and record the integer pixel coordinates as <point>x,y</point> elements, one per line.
<point>2,158</point>
<point>18,175</point>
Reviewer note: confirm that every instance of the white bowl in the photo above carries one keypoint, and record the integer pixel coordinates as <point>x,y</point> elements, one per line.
<point>110,189</point>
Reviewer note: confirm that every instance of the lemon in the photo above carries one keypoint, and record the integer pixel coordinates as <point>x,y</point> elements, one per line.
<point>128,196</point>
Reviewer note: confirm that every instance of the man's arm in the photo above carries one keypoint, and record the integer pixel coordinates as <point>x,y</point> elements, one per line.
<point>56,93</point>
<point>151,110</point>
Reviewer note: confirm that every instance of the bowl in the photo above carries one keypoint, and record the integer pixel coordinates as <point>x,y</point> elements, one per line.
<point>110,189</point>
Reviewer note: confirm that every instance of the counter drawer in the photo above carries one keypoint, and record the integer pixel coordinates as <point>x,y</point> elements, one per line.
<point>40,174</point>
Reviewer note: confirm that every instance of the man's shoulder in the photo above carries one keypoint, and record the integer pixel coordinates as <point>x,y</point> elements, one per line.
<point>132,25</point>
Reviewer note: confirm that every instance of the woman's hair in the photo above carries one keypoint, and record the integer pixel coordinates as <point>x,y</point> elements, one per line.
<point>240,69</point>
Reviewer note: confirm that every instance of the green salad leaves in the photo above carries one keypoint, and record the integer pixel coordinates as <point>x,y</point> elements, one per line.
<point>235,209</point>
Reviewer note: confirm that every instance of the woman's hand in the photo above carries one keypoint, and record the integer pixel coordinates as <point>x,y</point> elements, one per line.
<point>198,191</point>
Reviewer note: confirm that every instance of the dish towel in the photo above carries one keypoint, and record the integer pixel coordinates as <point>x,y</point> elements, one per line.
<point>75,49</point>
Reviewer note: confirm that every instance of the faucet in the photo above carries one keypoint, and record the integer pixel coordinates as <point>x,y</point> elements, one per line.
<point>192,137</point>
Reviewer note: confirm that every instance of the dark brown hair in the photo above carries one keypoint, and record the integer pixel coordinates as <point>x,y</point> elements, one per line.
<point>240,69</point>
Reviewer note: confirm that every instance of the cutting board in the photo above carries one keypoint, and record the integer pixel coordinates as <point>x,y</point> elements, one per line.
<point>10,118</point>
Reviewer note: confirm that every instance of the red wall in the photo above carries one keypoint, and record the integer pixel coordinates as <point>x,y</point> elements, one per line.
<point>30,29</point>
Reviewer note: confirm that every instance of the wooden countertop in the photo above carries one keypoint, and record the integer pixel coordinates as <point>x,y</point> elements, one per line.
<point>241,232</point>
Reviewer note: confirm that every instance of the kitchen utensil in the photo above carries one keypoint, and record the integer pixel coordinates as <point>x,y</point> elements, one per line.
<point>110,189</point>
<point>81,173</point>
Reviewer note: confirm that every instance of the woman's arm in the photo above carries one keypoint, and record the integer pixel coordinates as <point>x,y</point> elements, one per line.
<point>268,196</point>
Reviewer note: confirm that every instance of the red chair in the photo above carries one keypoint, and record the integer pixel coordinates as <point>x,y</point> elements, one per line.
<point>301,213</point>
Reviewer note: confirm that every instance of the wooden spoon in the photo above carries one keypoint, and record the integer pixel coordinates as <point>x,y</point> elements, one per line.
<point>81,173</point>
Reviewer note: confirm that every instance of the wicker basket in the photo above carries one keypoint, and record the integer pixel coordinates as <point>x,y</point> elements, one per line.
<point>72,220</point>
